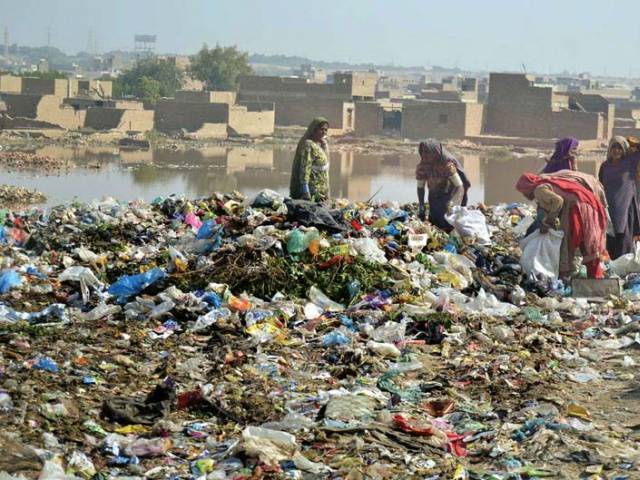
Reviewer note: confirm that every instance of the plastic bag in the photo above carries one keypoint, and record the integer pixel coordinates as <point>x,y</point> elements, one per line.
<point>541,254</point>
<point>470,223</point>
<point>368,248</point>
<point>129,285</point>
<point>626,264</point>
<point>8,280</point>
<point>319,298</point>
<point>207,230</point>
<point>296,242</point>
<point>267,199</point>
<point>85,277</point>
<point>270,446</point>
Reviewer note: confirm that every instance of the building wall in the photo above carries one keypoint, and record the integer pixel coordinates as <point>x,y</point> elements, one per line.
<point>474,121</point>
<point>47,86</point>
<point>195,96</point>
<point>21,105</point>
<point>301,111</point>
<point>516,106</point>
<point>271,89</point>
<point>173,116</point>
<point>369,117</point>
<point>255,123</point>
<point>10,84</point>
<point>50,109</point>
<point>433,119</point>
<point>582,125</point>
<point>119,119</point>
<point>362,84</point>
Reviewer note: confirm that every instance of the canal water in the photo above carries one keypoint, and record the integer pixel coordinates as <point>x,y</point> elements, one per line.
<point>129,175</point>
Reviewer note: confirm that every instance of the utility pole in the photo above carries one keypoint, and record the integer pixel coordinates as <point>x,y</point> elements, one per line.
<point>49,46</point>
<point>6,41</point>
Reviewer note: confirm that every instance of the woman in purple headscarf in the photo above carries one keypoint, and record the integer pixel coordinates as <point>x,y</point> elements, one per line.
<point>564,156</point>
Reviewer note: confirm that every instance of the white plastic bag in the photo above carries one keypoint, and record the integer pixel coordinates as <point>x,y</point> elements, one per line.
<point>470,223</point>
<point>368,248</point>
<point>626,264</point>
<point>541,254</point>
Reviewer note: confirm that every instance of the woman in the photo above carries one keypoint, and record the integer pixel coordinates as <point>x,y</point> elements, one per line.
<point>634,144</point>
<point>564,156</point>
<point>576,201</point>
<point>447,183</point>
<point>619,178</point>
<point>310,170</point>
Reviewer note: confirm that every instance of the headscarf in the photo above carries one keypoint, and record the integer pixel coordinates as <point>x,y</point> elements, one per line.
<point>560,160</point>
<point>618,140</point>
<point>431,146</point>
<point>634,144</point>
<point>528,182</point>
<point>311,129</point>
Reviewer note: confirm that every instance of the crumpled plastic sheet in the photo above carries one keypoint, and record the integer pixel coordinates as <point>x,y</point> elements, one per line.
<point>55,313</point>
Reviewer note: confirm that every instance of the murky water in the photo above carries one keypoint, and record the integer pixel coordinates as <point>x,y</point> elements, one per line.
<point>130,175</point>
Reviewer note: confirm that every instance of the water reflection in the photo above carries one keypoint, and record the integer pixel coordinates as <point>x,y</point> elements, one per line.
<point>105,171</point>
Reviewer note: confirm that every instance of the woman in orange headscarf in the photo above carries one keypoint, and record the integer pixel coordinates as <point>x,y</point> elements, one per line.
<point>576,202</point>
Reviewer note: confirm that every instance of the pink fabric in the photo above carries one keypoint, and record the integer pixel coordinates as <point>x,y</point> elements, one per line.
<point>193,221</point>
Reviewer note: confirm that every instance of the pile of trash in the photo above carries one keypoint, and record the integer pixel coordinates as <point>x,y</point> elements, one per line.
<point>221,338</point>
<point>18,160</point>
<point>12,196</point>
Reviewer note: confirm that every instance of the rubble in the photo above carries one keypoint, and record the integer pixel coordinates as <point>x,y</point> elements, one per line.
<point>18,160</point>
<point>213,339</point>
<point>12,196</point>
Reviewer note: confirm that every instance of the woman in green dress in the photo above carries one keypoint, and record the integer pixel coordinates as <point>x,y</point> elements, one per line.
<point>310,170</point>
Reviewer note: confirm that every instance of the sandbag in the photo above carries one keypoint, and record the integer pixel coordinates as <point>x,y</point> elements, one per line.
<point>470,223</point>
<point>541,254</point>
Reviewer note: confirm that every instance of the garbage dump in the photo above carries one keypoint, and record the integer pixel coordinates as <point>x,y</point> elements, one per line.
<point>222,338</point>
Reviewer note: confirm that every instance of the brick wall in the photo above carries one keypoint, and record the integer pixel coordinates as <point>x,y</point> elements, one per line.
<point>172,116</point>
<point>119,119</point>
<point>368,119</point>
<point>254,123</point>
<point>433,119</point>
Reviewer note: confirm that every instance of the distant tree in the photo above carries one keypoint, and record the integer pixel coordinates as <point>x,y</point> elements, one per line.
<point>148,89</point>
<point>220,67</point>
<point>130,83</point>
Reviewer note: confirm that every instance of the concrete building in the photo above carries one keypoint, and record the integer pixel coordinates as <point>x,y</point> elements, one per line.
<point>41,111</point>
<point>214,115</point>
<point>298,101</point>
<point>443,120</point>
<point>518,108</point>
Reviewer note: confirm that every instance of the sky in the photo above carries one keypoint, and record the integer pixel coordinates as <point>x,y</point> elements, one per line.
<point>546,36</point>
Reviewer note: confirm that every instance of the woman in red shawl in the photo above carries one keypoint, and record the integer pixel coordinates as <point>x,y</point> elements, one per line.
<point>576,201</point>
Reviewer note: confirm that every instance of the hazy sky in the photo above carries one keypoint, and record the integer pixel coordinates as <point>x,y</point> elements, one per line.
<point>546,35</point>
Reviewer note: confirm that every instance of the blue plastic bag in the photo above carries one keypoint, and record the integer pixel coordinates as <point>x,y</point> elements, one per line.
<point>47,364</point>
<point>207,230</point>
<point>129,285</point>
<point>9,279</point>
<point>335,337</point>
<point>212,299</point>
